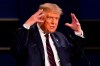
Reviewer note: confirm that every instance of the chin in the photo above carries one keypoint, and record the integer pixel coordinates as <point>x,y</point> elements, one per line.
<point>52,31</point>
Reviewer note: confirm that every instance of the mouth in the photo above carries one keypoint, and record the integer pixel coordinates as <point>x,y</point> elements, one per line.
<point>52,27</point>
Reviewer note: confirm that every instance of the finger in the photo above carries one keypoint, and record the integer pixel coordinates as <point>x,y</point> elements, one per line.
<point>74,19</point>
<point>73,16</point>
<point>78,23</point>
<point>41,15</point>
<point>38,12</point>
<point>40,20</point>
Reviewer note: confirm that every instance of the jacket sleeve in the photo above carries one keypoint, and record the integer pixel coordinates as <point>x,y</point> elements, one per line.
<point>77,49</point>
<point>78,57</point>
<point>19,42</point>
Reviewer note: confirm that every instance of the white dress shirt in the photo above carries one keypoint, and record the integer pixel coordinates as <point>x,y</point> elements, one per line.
<point>57,60</point>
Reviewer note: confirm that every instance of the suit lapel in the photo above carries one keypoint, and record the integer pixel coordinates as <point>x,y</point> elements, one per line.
<point>56,41</point>
<point>58,46</point>
<point>60,50</point>
<point>38,40</point>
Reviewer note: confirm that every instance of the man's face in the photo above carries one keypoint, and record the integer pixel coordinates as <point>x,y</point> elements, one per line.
<point>50,22</point>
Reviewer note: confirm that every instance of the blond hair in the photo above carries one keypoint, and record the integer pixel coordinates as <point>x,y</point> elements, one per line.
<point>51,7</point>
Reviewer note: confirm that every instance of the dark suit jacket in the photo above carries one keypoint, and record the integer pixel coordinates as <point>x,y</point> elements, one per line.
<point>28,50</point>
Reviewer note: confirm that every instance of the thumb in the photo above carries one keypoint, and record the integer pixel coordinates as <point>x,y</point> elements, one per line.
<point>67,24</point>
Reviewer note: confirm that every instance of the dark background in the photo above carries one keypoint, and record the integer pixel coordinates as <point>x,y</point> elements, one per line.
<point>13,13</point>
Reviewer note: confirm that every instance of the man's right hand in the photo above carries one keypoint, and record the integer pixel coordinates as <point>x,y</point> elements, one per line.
<point>35,18</point>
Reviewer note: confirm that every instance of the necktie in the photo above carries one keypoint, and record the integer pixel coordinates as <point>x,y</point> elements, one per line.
<point>50,52</point>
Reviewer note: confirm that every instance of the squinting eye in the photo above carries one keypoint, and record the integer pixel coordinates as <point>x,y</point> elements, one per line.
<point>49,17</point>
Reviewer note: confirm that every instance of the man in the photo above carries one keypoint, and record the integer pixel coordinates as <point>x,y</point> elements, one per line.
<point>29,46</point>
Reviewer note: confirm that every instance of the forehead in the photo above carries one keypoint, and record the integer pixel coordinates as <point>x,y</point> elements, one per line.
<point>54,14</point>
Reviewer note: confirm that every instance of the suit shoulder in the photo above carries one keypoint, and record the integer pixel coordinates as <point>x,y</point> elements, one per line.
<point>58,33</point>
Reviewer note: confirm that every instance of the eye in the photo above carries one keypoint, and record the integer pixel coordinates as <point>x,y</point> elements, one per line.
<point>49,18</point>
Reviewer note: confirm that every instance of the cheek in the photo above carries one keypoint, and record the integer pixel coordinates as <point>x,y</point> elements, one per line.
<point>46,25</point>
<point>56,24</point>
<point>41,23</point>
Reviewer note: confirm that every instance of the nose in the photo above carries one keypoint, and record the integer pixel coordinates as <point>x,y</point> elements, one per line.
<point>53,21</point>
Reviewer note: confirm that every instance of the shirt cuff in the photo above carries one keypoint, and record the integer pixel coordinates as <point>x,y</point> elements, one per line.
<point>80,34</point>
<point>26,26</point>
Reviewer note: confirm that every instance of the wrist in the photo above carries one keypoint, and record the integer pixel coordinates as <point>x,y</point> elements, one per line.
<point>79,33</point>
<point>26,26</point>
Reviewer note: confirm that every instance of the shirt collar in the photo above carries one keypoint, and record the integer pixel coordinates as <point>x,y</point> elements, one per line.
<point>40,30</point>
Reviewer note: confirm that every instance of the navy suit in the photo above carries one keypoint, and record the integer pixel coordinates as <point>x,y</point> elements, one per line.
<point>28,50</point>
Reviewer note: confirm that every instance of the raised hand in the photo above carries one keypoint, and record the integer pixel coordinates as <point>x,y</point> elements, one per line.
<point>35,18</point>
<point>75,25</point>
